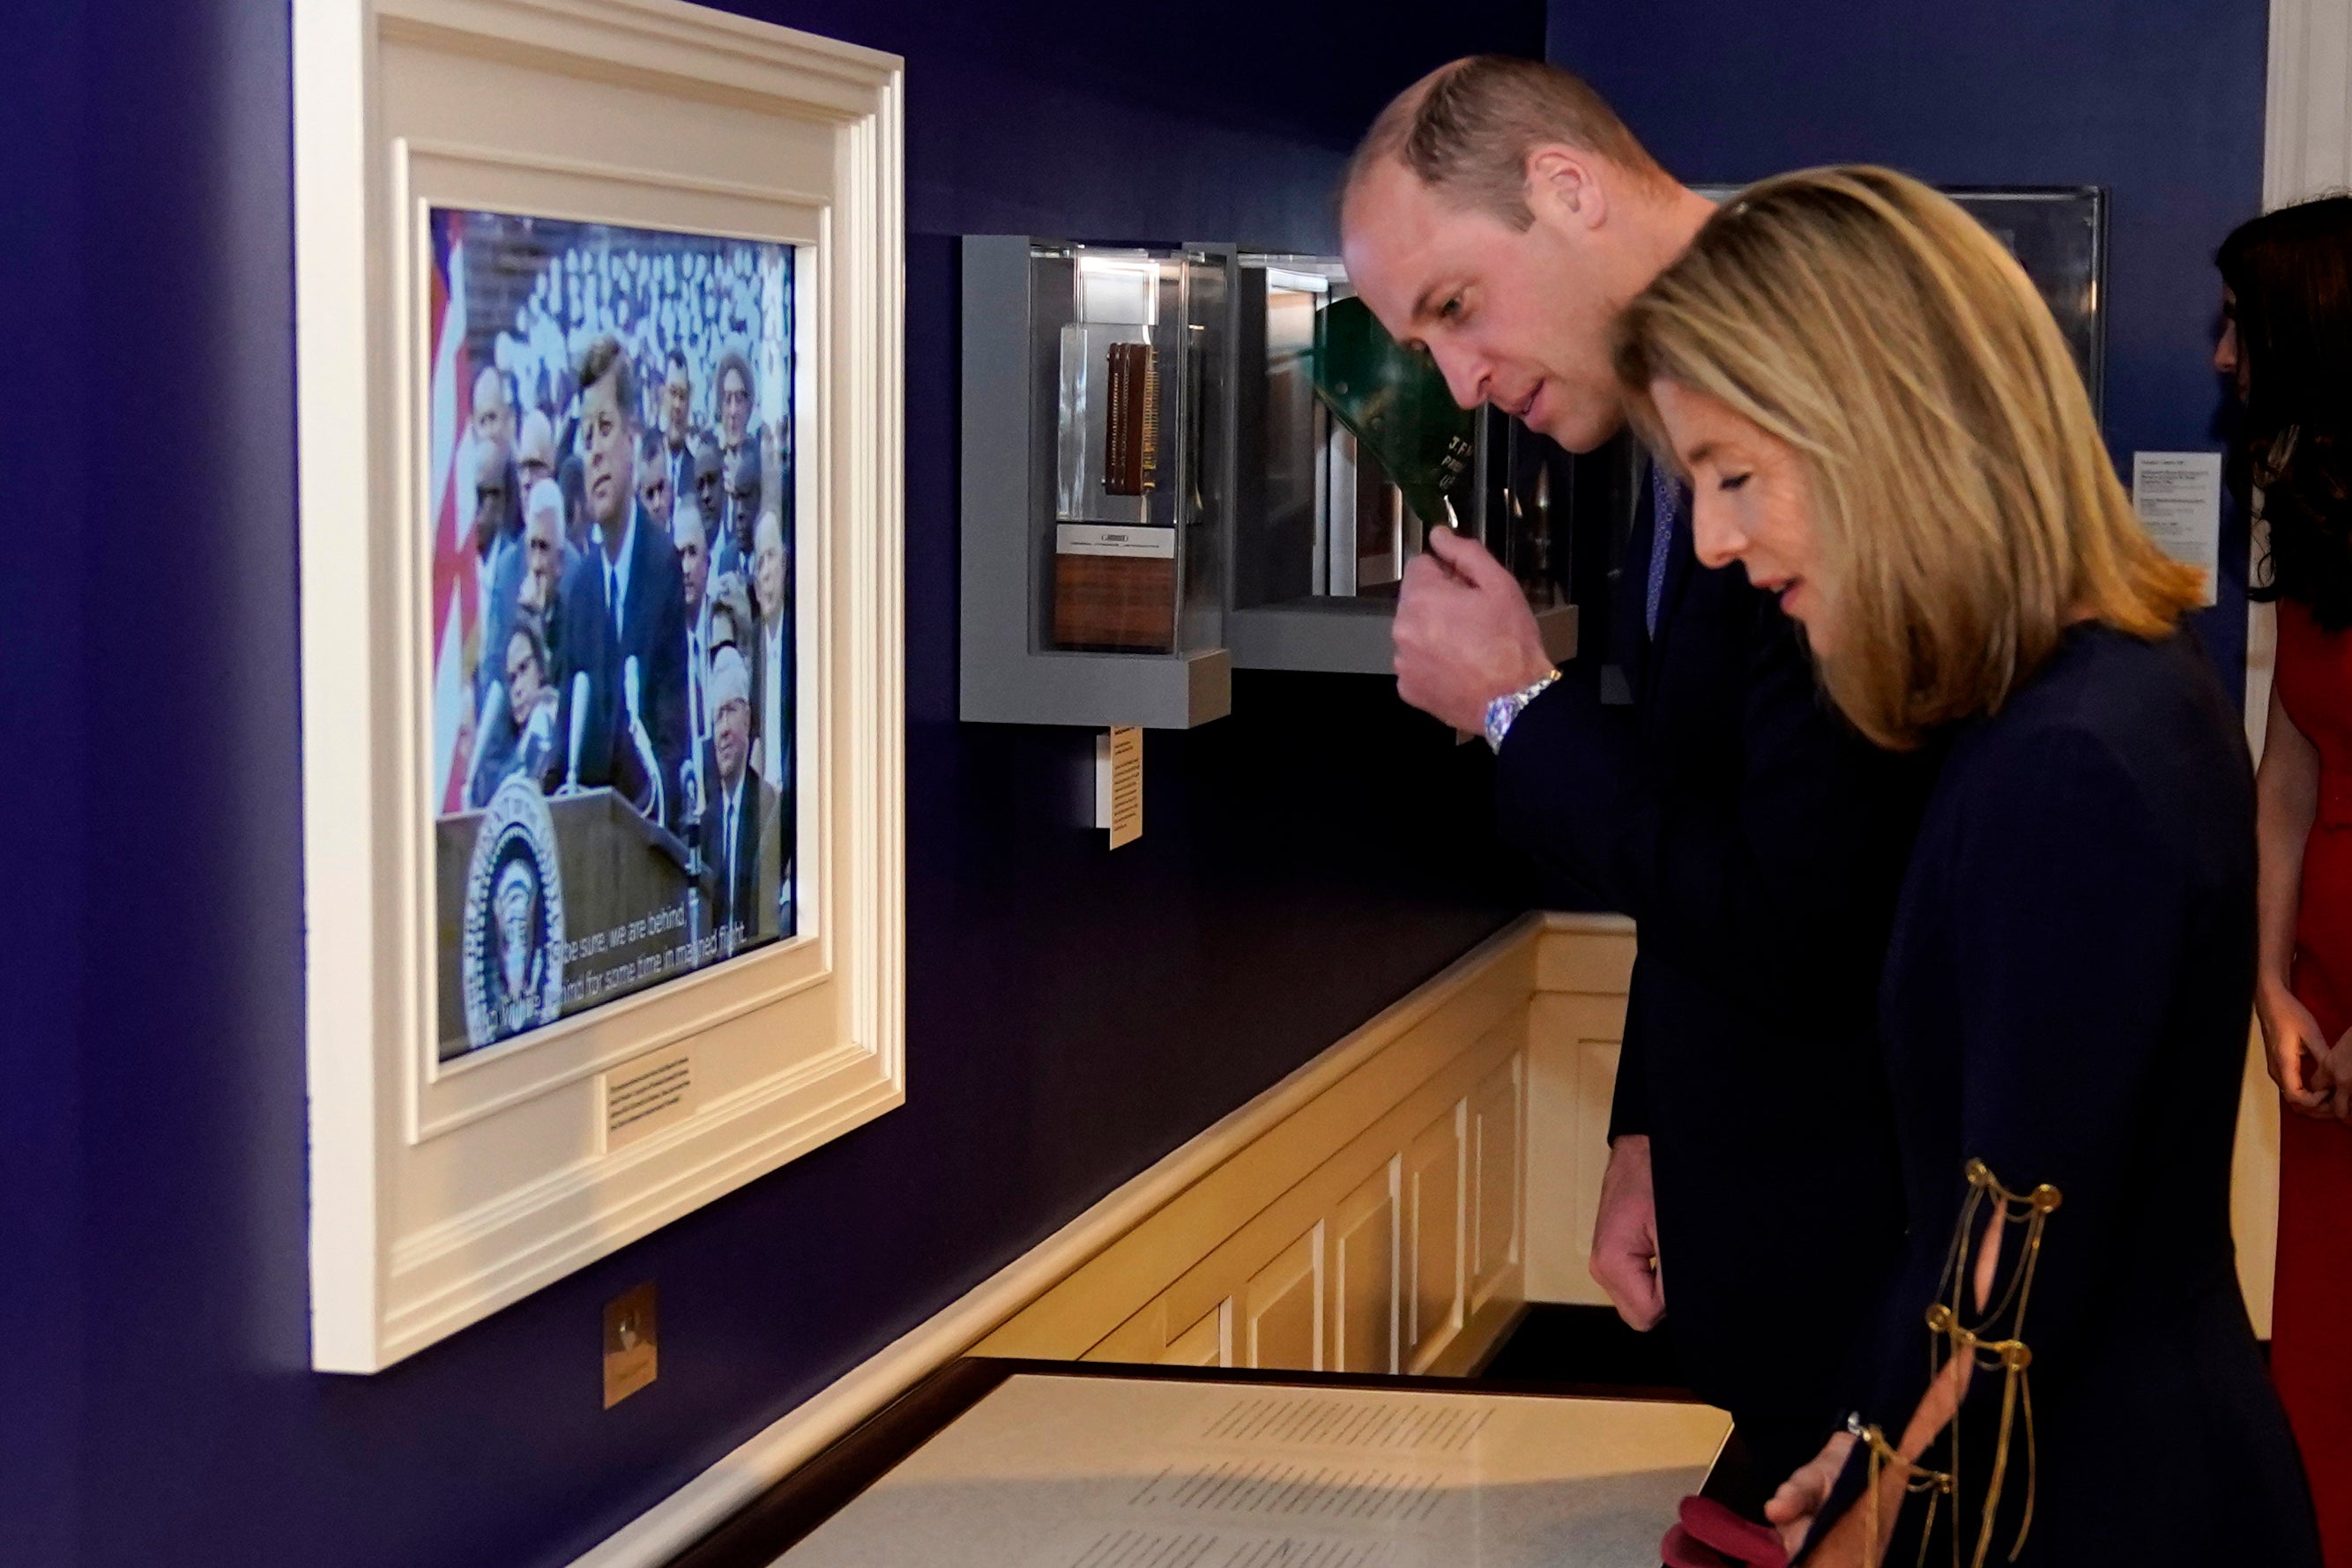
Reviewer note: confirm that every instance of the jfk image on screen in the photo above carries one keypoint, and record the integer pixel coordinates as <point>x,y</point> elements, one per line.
<point>612,630</point>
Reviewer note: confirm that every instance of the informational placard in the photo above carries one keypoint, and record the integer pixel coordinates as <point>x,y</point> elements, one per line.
<point>1119,783</point>
<point>2177,496</point>
<point>648,1095</point>
<point>1088,1472</point>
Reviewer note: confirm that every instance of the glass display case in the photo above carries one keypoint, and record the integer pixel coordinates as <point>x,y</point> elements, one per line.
<point>2059,235</point>
<point>1320,530</point>
<point>1095,482</point>
<point>1133,387</point>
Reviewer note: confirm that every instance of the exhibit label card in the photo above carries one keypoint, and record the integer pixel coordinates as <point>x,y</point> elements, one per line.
<point>1118,784</point>
<point>648,1095</point>
<point>2177,496</point>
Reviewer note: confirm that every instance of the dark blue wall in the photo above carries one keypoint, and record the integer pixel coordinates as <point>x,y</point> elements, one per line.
<point>2162,104</point>
<point>1073,1014</point>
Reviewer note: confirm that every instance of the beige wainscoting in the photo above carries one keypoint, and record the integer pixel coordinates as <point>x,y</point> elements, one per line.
<point>1382,1223</point>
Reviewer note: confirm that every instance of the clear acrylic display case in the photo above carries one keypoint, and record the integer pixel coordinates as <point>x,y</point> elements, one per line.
<point>1096,469</point>
<point>1320,534</point>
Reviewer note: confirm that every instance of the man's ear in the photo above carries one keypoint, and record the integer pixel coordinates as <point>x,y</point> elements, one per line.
<point>1564,187</point>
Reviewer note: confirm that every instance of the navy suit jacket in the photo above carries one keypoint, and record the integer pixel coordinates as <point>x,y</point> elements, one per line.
<point>739,897</point>
<point>1758,843</point>
<point>652,631</point>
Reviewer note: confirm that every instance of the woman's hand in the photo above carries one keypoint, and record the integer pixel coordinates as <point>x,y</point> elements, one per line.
<point>2306,1071</point>
<point>1792,1509</point>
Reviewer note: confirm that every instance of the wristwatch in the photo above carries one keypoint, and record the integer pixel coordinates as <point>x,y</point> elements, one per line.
<point>1504,709</point>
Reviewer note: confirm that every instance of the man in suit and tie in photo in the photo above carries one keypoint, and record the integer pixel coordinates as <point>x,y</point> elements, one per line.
<point>677,423</point>
<point>654,494</point>
<point>623,613</point>
<point>771,650</point>
<point>1500,216</point>
<point>734,548</point>
<point>497,539</point>
<point>535,450</point>
<point>740,826</point>
<point>709,486</point>
<point>737,393</point>
<point>686,533</point>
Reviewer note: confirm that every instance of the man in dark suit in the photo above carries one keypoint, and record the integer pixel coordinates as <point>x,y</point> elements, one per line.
<point>677,423</point>
<point>741,840</point>
<point>623,613</point>
<point>1499,214</point>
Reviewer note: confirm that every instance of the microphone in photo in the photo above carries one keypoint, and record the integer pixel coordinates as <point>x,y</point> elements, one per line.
<point>579,730</point>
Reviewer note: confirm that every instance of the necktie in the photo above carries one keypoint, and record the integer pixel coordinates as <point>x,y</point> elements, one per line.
<point>1665,507</point>
<point>613,594</point>
<point>734,809</point>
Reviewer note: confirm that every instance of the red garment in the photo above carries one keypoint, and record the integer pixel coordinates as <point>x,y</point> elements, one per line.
<point>2311,1340</point>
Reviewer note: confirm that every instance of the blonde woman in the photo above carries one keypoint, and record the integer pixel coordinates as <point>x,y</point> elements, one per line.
<point>1880,421</point>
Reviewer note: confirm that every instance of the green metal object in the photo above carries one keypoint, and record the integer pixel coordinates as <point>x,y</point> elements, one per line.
<point>1394,400</point>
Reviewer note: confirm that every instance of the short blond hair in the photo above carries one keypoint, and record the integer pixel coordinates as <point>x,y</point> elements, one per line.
<point>1964,505</point>
<point>1465,131</point>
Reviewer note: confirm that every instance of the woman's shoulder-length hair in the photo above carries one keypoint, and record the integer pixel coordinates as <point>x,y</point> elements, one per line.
<point>1964,505</point>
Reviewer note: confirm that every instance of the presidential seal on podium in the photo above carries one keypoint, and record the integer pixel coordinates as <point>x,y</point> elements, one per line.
<point>513,920</point>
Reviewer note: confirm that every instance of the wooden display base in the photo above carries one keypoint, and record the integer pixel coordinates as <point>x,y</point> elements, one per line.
<point>1122,603</point>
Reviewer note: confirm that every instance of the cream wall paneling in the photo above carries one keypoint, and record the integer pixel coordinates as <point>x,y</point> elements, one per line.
<point>1297,1193</point>
<point>2307,108</point>
<point>1400,1199</point>
<point>442,1191</point>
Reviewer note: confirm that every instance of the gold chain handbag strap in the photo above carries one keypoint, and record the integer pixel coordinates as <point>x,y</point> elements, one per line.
<point>1995,1338</point>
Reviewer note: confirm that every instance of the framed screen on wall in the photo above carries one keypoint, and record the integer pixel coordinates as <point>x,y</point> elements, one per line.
<point>601,409</point>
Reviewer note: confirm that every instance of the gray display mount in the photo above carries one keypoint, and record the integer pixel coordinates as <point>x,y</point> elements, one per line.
<point>1263,539</point>
<point>1020,293</point>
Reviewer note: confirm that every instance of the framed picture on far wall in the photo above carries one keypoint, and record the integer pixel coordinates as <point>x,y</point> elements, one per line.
<point>600,401</point>
<point>2059,235</point>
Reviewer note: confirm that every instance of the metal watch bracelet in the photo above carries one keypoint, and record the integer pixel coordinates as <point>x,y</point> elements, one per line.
<point>1504,710</point>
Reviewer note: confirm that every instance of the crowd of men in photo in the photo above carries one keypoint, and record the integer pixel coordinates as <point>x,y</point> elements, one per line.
<point>634,585</point>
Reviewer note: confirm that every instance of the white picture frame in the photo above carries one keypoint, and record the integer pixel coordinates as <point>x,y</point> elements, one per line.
<point>442,1190</point>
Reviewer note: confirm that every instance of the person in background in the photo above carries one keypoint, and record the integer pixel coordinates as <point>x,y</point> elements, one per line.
<point>711,494</point>
<point>515,734</point>
<point>2286,352</point>
<point>497,536</point>
<point>1880,421</point>
<point>571,479</point>
<point>737,393</point>
<point>736,545</point>
<point>654,494</point>
<point>535,450</point>
<point>677,423</point>
<point>771,661</point>
<point>741,824</point>
<point>493,422</point>
<point>1500,214</point>
<point>732,620</point>
<point>547,557</point>
<point>694,570</point>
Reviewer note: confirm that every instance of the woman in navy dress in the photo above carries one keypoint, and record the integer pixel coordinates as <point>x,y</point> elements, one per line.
<point>1880,420</point>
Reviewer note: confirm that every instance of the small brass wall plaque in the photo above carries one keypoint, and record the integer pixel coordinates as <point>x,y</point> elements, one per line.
<point>631,1331</point>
